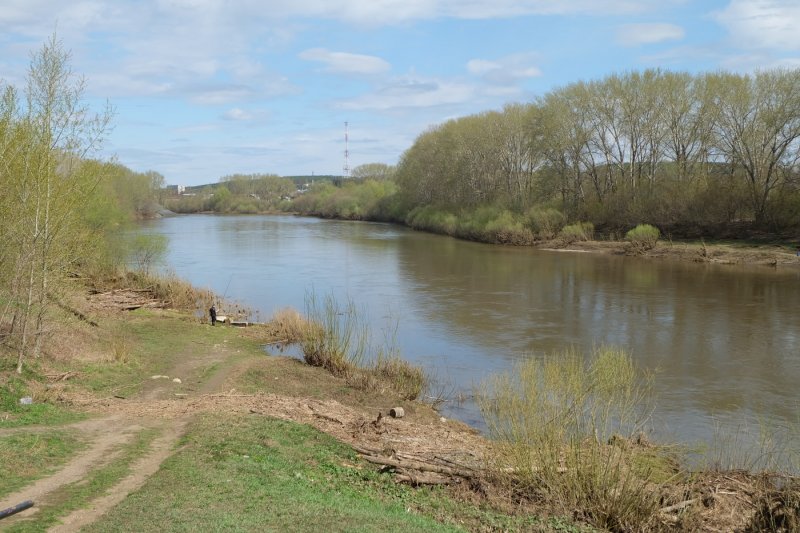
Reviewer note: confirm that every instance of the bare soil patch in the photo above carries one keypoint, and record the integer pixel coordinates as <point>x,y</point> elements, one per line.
<point>766,255</point>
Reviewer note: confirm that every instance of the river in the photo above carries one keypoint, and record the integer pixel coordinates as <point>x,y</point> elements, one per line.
<point>724,341</point>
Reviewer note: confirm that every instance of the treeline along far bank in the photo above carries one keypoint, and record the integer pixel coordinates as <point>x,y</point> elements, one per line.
<point>712,155</point>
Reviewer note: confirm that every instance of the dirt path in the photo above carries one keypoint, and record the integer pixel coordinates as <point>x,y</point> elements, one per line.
<point>202,369</point>
<point>105,434</point>
<point>161,448</point>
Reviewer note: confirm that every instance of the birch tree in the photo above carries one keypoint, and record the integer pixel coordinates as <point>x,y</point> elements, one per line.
<point>52,135</point>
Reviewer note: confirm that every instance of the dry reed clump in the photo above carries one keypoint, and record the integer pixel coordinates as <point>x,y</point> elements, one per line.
<point>287,326</point>
<point>565,435</point>
<point>407,380</point>
<point>175,292</point>
<point>168,289</point>
<point>334,337</point>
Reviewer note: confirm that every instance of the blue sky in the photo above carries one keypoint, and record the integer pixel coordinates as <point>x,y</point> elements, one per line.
<point>206,88</point>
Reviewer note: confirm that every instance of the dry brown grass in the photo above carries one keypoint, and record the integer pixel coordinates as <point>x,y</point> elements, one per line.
<point>334,337</point>
<point>287,326</point>
<point>405,379</point>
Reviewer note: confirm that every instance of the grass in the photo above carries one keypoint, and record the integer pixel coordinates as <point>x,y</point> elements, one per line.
<point>335,338</point>
<point>156,340</point>
<point>252,473</point>
<point>407,380</point>
<point>13,414</point>
<point>29,456</point>
<point>287,326</point>
<point>68,498</point>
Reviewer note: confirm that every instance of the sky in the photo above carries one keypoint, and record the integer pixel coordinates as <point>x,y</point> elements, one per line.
<point>202,89</point>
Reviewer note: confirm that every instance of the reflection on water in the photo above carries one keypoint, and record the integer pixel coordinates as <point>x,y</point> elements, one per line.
<point>725,341</point>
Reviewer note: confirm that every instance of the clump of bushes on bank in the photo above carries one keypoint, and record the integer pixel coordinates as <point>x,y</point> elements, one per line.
<point>567,433</point>
<point>489,224</point>
<point>545,223</point>
<point>334,337</point>
<point>642,238</point>
<point>581,231</point>
<point>368,200</point>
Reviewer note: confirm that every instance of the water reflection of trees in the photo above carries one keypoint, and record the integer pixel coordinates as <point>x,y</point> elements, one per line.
<point>727,337</point>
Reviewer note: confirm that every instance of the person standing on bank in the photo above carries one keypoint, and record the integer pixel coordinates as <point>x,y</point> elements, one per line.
<point>213,313</point>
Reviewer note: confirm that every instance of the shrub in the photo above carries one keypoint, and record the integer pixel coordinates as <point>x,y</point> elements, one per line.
<point>506,228</point>
<point>429,218</point>
<point>565,432</point>
<point>581,231</point>
<point>146,249</point>
<point>642,238</point>
<point>545,223</point>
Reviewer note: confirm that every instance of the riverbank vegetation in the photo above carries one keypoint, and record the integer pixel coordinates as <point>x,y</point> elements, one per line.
<point>568,436</point>
<point>64,213</point>
<point>570,430</point>
<point>333,335</point>
<point>709,155</point>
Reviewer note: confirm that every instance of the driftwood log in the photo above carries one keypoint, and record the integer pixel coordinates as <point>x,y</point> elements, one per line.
<point>417,471</point>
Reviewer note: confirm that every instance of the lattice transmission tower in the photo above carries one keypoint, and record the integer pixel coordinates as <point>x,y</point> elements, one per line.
<point>346,168</point>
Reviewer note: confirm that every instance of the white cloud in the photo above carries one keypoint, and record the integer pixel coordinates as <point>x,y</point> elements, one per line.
<point>410,93</point>
<point>507,70</point>
<point>346,63</point>
<point>200,15</point>
<point>770,24</point>
<point>377,12</point>
<point>237,114</point>
<point>479,67</point>
<point>638,34</point>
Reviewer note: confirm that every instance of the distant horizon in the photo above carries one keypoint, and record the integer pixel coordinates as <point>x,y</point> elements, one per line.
<point>208,88</point>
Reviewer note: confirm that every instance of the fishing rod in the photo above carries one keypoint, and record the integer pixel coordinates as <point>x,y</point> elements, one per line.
<point>227,286</point>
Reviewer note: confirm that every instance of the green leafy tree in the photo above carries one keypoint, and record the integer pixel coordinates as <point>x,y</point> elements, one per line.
<point>45,145</point>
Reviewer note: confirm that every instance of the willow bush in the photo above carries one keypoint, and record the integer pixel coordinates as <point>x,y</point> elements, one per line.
<point>567,430</point>
<point>580,231</point>
<point>642,238</point>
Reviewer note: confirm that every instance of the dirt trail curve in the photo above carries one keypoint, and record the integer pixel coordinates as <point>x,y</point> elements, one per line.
<point>167,406</point>
<point>141,470</point>
<point>105,434</point>
<point>116,427</point>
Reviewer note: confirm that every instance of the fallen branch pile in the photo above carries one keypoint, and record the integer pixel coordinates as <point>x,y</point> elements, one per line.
<point>417,470</point>
<point>127,299</point>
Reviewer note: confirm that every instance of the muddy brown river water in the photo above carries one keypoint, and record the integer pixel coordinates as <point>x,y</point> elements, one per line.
<point>723,340</point>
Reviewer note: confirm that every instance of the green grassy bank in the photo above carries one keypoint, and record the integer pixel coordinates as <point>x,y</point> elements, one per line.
<point>229,471</point>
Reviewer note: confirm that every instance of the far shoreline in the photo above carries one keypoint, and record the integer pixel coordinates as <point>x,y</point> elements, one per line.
<point>711,251</point>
